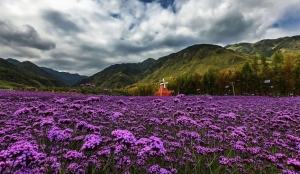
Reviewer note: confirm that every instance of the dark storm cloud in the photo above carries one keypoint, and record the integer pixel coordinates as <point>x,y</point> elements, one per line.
<point>11,35</point>
<point>61,21</point>
<point>230,28</point>
<point>19,52</point>
<point>95,51</point>
<point>149,44</point>
<point>125,48</point>
<point>178,41</point>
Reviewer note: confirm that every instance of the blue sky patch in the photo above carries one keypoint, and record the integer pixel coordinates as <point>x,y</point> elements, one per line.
<point>291,20</point>
<point>163,3</point>
<point>115,15</point>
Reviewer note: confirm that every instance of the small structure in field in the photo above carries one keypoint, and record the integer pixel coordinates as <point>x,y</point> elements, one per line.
<point>105,90</point>
<point>163,91</point>
<point>73,90</point>
<point>28,89</point>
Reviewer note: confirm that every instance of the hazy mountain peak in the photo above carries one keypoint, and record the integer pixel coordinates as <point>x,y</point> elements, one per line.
<point>13,61</point>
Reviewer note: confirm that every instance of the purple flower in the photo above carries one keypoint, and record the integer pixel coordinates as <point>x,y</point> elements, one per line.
<point>73,155</point>
<point>22,153</point>
<point>158,170</point>
<point>123,162</point>
<point>176,100</point>
<point>48,121</point>
<point>121,102</point>
<point>253,150</point>
<point>22,111</point>
<point>180,95</point>
<point>223,160</point>
<point>24,171</point>
<point>179,113</point>
<point>104,151</point>
<point>54,164</point>
<point>115,115</point>
<point>229,115</point>
<point>75,168</point>
<point>292,137</point>
<point>76,106</point>
<point>293,162</point>
<point>57,135</point>
<point>91,142</point>
<point>152,146</point>
<point>270,158</point>
<point>286,171</point>
<point>93,99</point>
<point>276,134</point>
<point>124,136</point>
<point>81,124</point>
<point>204,150</point>
<point>186,121</point>
<point>240,145</point>
<point>65,121</point>
<point>153,169</point>
<point>280,155</point>
<point>164,171</point>
<point>61,100</point>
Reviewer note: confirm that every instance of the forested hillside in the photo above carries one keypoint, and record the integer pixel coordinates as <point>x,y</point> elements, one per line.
<point>12,76</point>
<point>269,46</point>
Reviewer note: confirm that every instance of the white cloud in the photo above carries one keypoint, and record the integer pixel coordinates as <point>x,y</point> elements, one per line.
<point>89,35</point>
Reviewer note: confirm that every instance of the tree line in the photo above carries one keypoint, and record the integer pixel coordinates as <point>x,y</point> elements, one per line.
<point>278,75</point>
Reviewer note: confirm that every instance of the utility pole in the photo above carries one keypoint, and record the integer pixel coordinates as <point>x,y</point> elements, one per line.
<point>232,83</point>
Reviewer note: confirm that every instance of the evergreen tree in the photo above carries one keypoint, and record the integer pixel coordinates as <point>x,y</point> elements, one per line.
<point>209,80</point>
<point>287,76</point>
<point>276,72</point>
<point>296,75</point>
<point>254,65</point>
<point>247,77</point>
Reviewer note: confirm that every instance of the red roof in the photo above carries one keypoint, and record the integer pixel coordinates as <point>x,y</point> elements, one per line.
<point>163,91</point>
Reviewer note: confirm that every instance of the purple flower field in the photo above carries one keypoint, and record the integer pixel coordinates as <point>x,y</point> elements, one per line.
<point>64,133</point>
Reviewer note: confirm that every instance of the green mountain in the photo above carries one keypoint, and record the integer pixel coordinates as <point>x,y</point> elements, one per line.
<point>193,59</point>
<point>196,59</point>
<point>13,61</point>
<point>66,77</point>
<point>31,67</point>
<point>13,76</point>
<point>119,75</point>
<point>269,46</point>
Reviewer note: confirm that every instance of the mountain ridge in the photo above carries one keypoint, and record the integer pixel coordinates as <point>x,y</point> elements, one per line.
<point>64,78</point>
<point>192,59</point>
<point>269,46</point>
<point>119,75</point>
<point>68,78</point>
<point>31,67</point>
<point>13,76</point>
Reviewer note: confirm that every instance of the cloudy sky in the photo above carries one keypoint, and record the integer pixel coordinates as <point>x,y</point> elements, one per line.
<point>86,36</point>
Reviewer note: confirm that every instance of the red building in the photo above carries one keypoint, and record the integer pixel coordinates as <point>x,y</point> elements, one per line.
<point>163,91</point>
